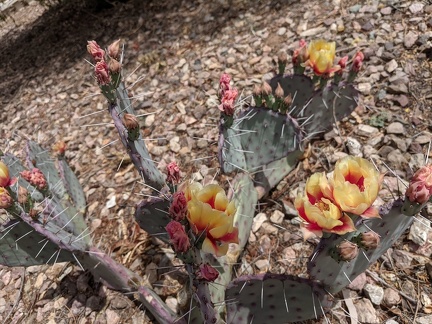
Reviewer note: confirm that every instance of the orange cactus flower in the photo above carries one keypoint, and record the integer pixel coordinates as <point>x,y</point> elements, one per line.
<point>356,184</point>
<point>4,175</point>
<point>210,213</point>
<point>318,211</point>
<point>322,56</point>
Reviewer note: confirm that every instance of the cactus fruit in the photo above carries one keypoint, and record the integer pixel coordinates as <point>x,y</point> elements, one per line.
<point>275,299</point>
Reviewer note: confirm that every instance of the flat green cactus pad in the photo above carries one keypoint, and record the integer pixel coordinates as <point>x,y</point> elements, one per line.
<point>257,137</point>
<point>337,275</point>
<point>274,299</point>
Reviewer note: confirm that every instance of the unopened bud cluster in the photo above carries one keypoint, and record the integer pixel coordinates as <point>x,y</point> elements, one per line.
<point>104,69</point>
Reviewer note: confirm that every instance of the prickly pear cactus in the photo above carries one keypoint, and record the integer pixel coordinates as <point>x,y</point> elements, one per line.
<point>257,137</point>
<point>275,299</point>
<point>337,274</point>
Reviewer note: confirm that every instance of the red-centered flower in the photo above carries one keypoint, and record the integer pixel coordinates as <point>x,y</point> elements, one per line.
<point>207,272</point>
<point>318,211</point>
<point>228,101</point>
<point>356,184</point>
<point>102,73</point>
<point>95,50</point>
<point>321,57</point>
<point>178,209</point>
<point>211,215</point>
<point>178,237</point>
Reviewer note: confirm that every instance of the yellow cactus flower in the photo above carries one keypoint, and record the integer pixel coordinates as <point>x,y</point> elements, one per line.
<point>322,56</point>
<point>210,212</point>
<point>318,211</point>
<point>356,184</point>
<point>5,179</point>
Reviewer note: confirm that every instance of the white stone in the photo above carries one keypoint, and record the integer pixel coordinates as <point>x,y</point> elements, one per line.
<point>419,231</point>
<point>258,220</point>
<point>277,217</point>
<point>374,293</point>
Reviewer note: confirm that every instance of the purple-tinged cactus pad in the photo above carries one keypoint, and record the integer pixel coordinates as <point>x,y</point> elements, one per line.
<point>274,299</point>
<point>22,246</point>
<point>337,275</point>
<point>72,186</point>
<point>257,137</point>
<point>152,216</point>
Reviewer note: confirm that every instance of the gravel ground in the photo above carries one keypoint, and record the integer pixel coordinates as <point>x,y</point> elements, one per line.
<point>175,53</point>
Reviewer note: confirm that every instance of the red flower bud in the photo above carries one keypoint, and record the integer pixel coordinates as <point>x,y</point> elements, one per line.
<point>207,272</point>
<point>102,73</point>
<point>178,237</point>
<point>357,62</point>
<point>178,208</point>
<point>224,84</point>
<point>59,147</point>
<point>95,50</point>
<point>420,186</point>
<point>173,173</point>
<point>228,101</point>
<point>35,177</point>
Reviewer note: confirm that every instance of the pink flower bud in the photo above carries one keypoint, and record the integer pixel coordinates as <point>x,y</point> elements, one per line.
<point>178,237</point>
<point>228,102</point>
<point>35,177</point>
<point>301,54</point>
<point>114,66</point>
<point>114,50</point>
<point>279,93</point>
<point>357,62</point>
<point>224,84</point>
<point>370,240</point>
<point>207,272</point>
<point>6,200</point>
<point>22,195</point>
<point>266,89</point>
<point>178,208</point>
<point>347,251</point>
<point>343,62</point>
<point>95,50</point>
<point>102,73</point>
<point>173,173</point>
<point>420,186</point>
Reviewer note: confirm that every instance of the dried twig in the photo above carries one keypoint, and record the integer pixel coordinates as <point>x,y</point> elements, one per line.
<point>18,298</point>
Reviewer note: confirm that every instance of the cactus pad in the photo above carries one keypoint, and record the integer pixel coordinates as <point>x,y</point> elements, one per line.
<point>274,299</point>
<point>152,216</point>
<point>336,275</point>
<point>257,137</point>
